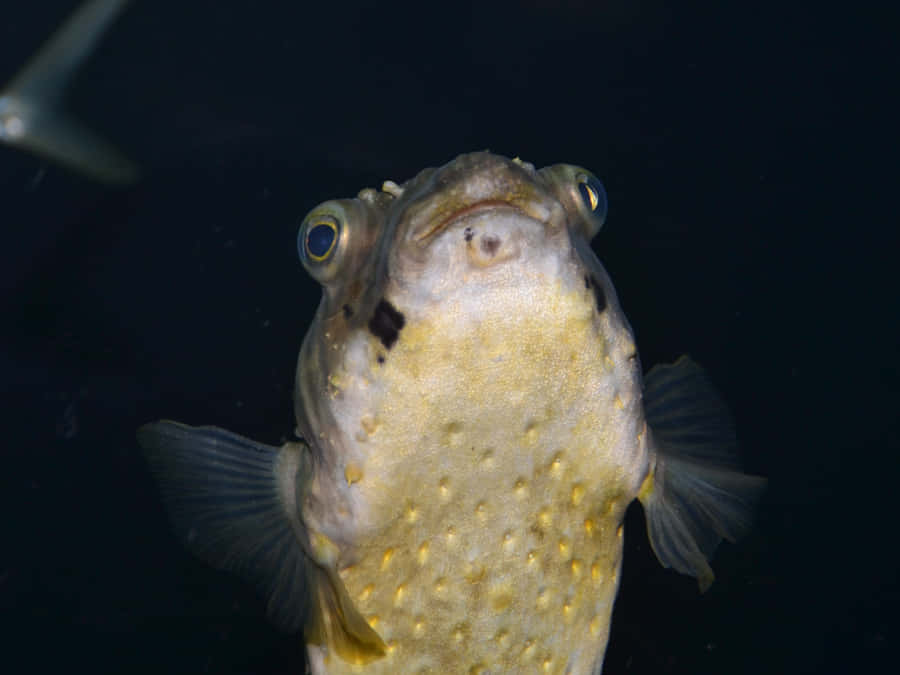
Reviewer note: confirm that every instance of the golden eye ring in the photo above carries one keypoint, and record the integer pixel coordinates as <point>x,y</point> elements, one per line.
<point>319,239</point>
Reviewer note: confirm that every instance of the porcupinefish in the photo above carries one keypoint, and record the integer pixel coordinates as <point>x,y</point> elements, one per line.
<point>472,423</point>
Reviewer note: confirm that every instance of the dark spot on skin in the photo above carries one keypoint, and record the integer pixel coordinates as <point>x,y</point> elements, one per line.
<point>587,281</point>
<point>490,245</point>
<point>468,233</point>
<point>348,311</point>
<point>380,358</point>
<point>599,295</point>
<point>386,323</point>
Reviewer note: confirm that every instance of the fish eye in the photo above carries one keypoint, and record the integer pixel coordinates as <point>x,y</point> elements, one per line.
<point>581,194</point>
<point>593,195</point>
<point>329,238</point>
<point>318,238</point>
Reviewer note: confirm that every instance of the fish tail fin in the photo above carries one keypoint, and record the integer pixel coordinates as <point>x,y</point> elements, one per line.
<point>235,504</point>
<point>695,494</point>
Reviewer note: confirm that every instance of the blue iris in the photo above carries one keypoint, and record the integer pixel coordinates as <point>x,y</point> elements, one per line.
<point>320,240</point>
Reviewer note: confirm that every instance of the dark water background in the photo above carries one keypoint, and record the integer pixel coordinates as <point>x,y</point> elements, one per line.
<point>746,153</point>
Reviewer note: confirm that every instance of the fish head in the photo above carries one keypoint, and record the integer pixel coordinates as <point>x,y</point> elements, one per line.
<point>481,222</point>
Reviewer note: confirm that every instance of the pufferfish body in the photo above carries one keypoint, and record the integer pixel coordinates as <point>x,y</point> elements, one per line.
<point>473,424</point>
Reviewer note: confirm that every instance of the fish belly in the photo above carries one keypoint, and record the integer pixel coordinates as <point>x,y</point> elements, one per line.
<point>493,465</point>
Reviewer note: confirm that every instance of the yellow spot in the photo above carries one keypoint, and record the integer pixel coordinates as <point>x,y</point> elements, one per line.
<point>519,487</point>
<point>444,487</point>
<point>369,424</point>
<point>386,558</point>
<point>459,631</point>
<point>352,473</point>
<point>501,636</point>
<point>422,553</point>
<point>576,566</point>
<point>366,592</point>
<point>545,518</point>
<point>564,546</point>
<point>619,531</point>
<point>531,433</point>
<point>487,459</point>
<point>567,608</point>
<point>390,647</point>
<point>618,402</point>
<point>481,509</point>
<point>577,494</point>
<point>589,526</point>
<point>501,598</point>
<point>531,557</point>
<point>373,620</point>
<point>556,463</point>
<point>451,534</point>
<point>613,503</point>
<point>478,669</point>
<point>595,625</point>
<point>412,513</point>
<point>476,575</point>
<point>596,574</point>
<point>399,594</point>
<point>647,486</point>
<point>419,624</point>
<point>508,539</point>
<point>452,434</point>
<point>528,648</point>
<point>440,585</point>
<point>324,550</point>
<point>547,663</point>
<point>609,362</point>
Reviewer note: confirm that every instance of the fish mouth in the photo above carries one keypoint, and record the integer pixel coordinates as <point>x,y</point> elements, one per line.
<point>473,210</point>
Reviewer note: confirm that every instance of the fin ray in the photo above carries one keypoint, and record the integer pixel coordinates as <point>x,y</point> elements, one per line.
<point>232,502</point>
<point>221,491</point>
<point>696,494</point>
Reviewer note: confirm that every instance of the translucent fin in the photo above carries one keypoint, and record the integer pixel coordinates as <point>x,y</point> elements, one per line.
<point>28,115</point>
<point>234,503</point>
<point>695,495</point>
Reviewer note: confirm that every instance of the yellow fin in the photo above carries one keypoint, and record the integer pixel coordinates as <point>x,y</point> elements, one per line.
<point>337,625</point>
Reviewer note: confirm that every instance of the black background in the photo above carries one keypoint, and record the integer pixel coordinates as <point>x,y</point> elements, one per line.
<point>746,149</point>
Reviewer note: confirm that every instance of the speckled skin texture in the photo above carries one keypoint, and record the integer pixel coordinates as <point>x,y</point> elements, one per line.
<point>474,475</point>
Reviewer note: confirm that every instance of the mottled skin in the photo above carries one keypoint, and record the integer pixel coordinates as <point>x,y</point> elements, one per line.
<point>473,425</point>
<point>470,473</point>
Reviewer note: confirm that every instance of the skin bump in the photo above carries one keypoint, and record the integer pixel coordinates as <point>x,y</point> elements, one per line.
<point>422,553</point>
<point>352,473</point>
<point>386,558</point>
<point>577,494</point>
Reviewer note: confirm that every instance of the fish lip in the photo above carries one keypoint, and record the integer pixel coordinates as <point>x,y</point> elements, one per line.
<point>477,208</point>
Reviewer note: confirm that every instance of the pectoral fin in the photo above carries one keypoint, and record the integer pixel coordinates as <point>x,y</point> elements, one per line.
<point>234,503</point>
<point>695,494</point>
